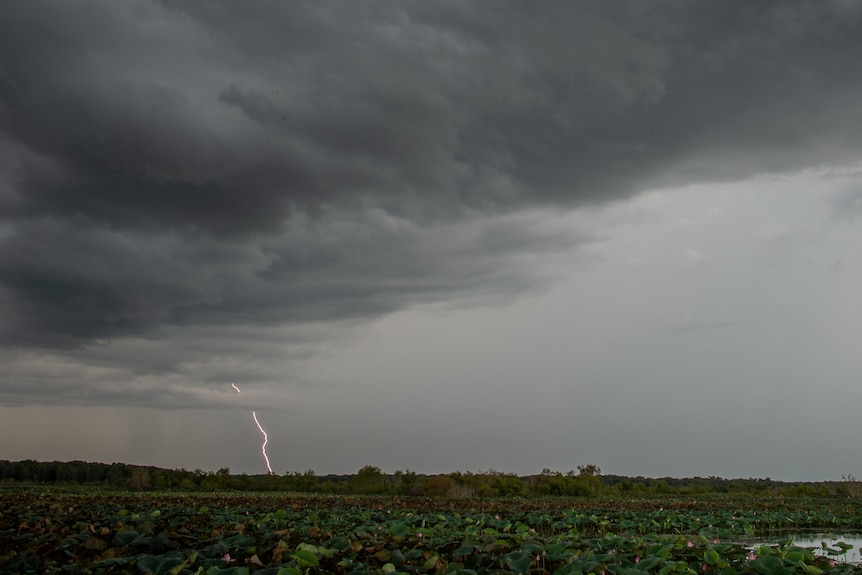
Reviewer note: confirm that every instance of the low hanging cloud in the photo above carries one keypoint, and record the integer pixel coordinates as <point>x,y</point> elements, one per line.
<point>172,320</point>
<point>112,284</point>
<point>170,166</point>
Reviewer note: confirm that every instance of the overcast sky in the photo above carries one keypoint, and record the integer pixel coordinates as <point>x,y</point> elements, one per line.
<point>433,236</point>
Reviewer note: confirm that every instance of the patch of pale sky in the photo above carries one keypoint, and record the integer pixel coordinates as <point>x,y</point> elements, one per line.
<point>595,340</point>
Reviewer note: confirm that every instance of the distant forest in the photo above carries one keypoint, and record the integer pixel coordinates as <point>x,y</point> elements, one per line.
<point>587,481</point>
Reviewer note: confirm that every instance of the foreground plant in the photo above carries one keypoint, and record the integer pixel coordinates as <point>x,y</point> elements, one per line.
<point>272,535</point>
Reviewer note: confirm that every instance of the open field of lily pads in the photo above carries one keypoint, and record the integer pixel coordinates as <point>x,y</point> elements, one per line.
<point>88,531</point>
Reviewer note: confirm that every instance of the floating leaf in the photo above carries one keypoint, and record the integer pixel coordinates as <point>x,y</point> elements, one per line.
<point>711,557</point>
<point>305,558</point>
<point>462,551</point>
<point>431,563</point>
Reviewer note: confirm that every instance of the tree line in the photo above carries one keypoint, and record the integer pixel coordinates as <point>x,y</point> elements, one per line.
<point>587,481</point>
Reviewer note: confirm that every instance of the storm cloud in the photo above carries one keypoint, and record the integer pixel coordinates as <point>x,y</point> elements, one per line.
<point>194,191</point>
<point>159,155</point>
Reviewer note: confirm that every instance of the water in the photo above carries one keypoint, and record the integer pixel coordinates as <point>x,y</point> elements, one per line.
<point>816,540</point>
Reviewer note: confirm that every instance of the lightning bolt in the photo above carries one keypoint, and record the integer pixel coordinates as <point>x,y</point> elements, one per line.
<point>265,440</point>
<point>265,437</point>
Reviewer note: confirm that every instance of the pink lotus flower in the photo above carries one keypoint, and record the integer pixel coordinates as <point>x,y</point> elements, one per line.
<point>690,544</point>
<point>751,556</point>
<point>637,558</point>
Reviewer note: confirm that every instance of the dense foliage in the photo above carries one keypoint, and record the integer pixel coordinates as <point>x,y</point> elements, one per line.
<point>87,531</point>
<point>587,481</point>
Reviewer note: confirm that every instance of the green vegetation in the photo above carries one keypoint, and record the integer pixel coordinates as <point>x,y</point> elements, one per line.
<point>92,518</point>
<point>587,481</point>
<point>86,530</point>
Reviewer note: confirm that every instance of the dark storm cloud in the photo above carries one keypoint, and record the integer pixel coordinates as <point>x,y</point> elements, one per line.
<point>185,163</point>
<point>67,282</point>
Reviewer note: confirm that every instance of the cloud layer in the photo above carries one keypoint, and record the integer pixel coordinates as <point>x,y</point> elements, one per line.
<point>175,169</point>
